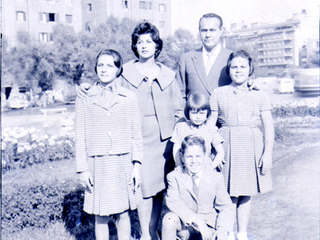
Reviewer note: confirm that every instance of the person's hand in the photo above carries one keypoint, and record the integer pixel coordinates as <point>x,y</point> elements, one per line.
<point>252,85</point>
<point>179,168</point>
<point>86,180</point>
<point>136,179</point>
<point>83,89</point>
<point>265,163</point>
<point>220,234</point>
<point>203,228</point>
<point>217,163</point>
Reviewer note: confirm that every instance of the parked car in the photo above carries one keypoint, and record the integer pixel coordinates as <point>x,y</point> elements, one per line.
<point>285,85</point>
<point>17,101</point>
<point>307,80</point>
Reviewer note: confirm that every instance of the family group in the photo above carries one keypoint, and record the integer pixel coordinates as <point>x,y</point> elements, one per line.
<point>201,138</point>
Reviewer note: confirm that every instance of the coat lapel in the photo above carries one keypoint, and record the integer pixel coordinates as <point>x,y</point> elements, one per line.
<point>199,66</point>
<point>215,70</point>
<point>103,98</point>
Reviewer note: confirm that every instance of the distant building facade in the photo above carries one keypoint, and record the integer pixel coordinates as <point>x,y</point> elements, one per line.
<point>275,45</point>
<point>38,17</point>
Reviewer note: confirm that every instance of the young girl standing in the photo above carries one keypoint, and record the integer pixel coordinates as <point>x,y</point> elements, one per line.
<point>109,148</point>
<point>197,111</point>
<point>247,128</point>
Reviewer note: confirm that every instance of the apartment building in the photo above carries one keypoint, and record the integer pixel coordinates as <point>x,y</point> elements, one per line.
<point>38,17</point>
<point>158,12</point>
<point>277,44</point>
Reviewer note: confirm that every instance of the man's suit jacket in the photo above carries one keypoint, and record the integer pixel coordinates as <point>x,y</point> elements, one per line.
<point>192,77</point>
<point>212,203</point>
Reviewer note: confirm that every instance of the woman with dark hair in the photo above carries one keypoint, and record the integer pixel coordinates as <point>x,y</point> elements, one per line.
<point>160,105</point>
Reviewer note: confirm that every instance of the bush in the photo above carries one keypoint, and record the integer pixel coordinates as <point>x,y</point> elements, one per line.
<point>40,206</point>
<point>25,147</point>
<point>296,109</point>
<point>36,206</point>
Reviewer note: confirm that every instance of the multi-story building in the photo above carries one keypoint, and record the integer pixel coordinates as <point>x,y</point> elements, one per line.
<point>158,12</point>
<point>275,45</point>
<point>38,17</point>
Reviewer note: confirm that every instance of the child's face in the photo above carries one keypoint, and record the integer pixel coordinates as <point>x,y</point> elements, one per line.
<point>239,70</point>
<point>146,47</point>
<point>198,117</point>
<point>194,158</point>
<point>106,70</point>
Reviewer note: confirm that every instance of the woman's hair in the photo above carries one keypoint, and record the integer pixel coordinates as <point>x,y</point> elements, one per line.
<point>117,59</point>
<point>197,102</point>
<point>243,54</point>
<point>192,140</point>
<point>145,28</point>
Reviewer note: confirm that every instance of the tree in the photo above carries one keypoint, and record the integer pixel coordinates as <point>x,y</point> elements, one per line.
<point>174,46</point>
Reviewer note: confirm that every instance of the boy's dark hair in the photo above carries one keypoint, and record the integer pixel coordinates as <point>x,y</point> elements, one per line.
<point>243,54</point>
<point>192,140</point>
<point>198,102</point>
<point>117,59</point>
<point>145,28</point>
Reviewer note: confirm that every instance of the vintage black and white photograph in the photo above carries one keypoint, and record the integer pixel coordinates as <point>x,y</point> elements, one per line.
<point>160,119</point>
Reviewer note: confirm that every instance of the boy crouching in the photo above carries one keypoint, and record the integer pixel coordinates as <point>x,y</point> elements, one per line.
<point>200,206</point>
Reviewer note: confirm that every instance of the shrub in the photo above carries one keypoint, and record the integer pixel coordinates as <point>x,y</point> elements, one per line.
<point>296,109</point>
<point>36,206</point>
<point>25,147</point>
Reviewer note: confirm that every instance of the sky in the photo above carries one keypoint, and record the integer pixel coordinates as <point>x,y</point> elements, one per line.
<point>186,13</point>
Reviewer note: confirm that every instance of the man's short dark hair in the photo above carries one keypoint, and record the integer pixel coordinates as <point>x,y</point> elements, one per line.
<point>212,15</point>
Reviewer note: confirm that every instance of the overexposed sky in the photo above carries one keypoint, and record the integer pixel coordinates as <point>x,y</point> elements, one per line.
<point>186,13</point>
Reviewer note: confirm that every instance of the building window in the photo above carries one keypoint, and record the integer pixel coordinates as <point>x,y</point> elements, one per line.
<point>162,24</point>
<point>125,4</point>
<point>51,17</point>
<point>43,17</point>
<point>20,16</point>
<point>68,18</point>
<point>43,37</point>
<point>143,5</point>
<point>162,8</point>
<point>89,7</point>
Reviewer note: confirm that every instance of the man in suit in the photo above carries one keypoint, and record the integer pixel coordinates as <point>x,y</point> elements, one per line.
<point>203,70</point>
<point>199,203</point>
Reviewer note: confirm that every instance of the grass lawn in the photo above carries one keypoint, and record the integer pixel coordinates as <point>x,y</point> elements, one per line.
<point>290,211</point>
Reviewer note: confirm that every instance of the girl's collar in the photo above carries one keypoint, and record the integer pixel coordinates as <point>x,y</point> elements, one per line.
<point>237,88</point>
<point>194,125</point>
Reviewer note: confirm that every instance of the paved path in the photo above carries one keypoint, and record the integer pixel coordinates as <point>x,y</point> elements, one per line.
<point>291,210</point>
